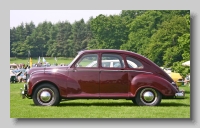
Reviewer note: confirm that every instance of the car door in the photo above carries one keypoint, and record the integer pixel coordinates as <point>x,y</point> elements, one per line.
<point>84,78</point>
<point>113,78</point>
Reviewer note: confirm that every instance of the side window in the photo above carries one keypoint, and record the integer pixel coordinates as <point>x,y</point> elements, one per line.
<point>105,64</point>
<point>89,60</point>
<point>134,63</point>
<point>112,61</point>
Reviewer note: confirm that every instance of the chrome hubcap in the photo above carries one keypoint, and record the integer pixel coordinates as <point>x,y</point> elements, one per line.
<point>148,96</point>
<point>45,96</point>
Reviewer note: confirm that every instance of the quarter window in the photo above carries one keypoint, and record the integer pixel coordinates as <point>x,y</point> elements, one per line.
<point>134,63</point>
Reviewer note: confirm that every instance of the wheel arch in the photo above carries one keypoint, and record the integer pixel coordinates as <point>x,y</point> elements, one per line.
<point>45,82</point>
<point>148,86</point>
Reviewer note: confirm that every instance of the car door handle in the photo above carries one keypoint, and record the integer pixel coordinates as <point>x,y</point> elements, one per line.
<point>74,70</point>
<point>122,70</point>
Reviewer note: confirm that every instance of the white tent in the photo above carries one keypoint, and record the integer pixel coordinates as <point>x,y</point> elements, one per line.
<point>187,63</point>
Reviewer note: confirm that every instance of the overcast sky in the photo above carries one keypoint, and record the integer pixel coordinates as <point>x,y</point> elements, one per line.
<point>39,16</point>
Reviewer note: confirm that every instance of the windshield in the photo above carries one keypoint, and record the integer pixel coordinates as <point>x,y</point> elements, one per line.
<point>74,59</point>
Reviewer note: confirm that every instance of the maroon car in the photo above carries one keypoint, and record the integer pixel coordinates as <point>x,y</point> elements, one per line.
<point>101,74</point>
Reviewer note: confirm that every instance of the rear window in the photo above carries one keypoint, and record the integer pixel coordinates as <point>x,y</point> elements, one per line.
<point>112,61</point>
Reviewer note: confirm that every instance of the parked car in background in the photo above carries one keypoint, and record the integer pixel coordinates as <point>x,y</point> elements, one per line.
<point>42,65</point>
<point>177,78</point>
<point>145,83</point>
<point>111,63</point>
<point>19,73</point>
<point>13,77</point>
<point>13,66</point>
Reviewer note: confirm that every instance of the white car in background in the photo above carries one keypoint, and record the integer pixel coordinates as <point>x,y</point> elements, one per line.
<point>112,63</point>
<point>13,77</point>
<point>13,66</point>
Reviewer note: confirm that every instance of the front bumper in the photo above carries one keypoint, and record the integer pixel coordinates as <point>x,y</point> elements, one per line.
<point>180,95</point>
<point>23,92</point>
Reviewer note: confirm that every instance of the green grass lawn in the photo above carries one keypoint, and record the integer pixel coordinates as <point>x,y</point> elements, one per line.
<point>94,108</point>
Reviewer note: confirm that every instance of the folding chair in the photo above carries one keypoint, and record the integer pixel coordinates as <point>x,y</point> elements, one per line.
<point>13,79</point>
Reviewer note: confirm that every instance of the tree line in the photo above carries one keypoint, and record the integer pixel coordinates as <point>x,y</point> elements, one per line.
<point>163,36</point>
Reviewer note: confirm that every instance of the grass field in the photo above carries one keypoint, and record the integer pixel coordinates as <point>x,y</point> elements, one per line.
<point>25,108</point>
<point>35,60</point>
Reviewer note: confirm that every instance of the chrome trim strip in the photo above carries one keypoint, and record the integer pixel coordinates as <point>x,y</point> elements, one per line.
<point>92,70</point>
<point>106,70</point>
<point>37,71</point>
<point>126,71</point>
<point>48,71</point>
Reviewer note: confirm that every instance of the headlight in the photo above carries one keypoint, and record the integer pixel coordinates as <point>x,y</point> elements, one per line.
<point>27,80</point>
<point>54,70</point>
<point>28,76</point>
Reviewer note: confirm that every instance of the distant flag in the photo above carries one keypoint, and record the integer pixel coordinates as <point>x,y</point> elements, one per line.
<point>55,59</point>
<point>43,60</point>
<point>30,62</point>
<point>39,59</point>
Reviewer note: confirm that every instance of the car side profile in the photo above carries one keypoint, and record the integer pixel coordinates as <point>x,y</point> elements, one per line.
<point>127,75</point>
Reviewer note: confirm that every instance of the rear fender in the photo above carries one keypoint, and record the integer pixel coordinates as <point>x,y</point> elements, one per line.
<point>152,81</point>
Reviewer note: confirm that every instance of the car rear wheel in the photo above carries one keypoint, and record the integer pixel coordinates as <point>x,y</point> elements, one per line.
<point>46,95</point>
<point>134,101</point>
<point>148,97</point>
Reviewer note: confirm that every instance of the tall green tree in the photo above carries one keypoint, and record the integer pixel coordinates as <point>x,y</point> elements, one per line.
<point>130,15</point>
<point>109,31</point>
<point>164,48</point>
<point>37,42</point>
<point>141,30</point>
<point>60,40</point>
<point>79,32</point>
<point>90,39</point>
<point>17,41</point>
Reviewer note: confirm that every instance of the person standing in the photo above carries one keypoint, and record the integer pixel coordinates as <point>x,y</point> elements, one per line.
<point>187,79</point>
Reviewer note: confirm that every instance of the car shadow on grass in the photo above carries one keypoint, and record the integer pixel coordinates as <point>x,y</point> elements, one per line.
<point>78,104</point>
<point>187,92</point>
<point>119,104</point>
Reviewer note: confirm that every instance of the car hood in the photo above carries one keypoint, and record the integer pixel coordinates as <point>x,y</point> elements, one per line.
<point>44,69</point>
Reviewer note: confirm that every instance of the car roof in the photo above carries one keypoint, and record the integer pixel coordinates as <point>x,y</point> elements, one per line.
<point>112,50</point>
<point>107,50</point>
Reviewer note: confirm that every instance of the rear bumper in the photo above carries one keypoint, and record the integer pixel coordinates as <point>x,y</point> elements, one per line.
<point>180,95</point>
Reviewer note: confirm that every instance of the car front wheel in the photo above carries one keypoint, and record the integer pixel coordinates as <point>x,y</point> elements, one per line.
<point>148,97</point>
<point>46,95</point>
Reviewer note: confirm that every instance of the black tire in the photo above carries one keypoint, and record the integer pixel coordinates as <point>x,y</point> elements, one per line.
<point>46,95</point>
<point>134,101</point>
<point>148,97</point>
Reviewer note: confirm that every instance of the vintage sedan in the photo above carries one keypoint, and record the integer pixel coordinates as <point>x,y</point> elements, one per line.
<point>145,84</point>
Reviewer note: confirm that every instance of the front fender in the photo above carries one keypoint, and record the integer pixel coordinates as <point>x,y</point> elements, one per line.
<point>38,78</point>
<point>152,81</point>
